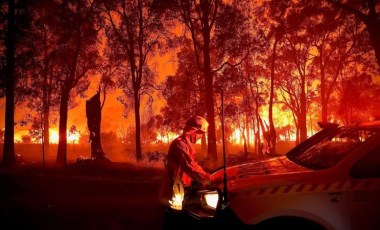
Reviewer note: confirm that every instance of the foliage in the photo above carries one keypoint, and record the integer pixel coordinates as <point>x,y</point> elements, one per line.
<point>368,13</point>
<point>357,97</point>
<point>35,131</point>
<point>26,139</point>
<point>134,32</point>
<point>183,91</point>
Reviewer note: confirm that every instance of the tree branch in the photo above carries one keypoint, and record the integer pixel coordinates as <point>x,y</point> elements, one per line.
<point>356,12</point>
<point>231,65</point>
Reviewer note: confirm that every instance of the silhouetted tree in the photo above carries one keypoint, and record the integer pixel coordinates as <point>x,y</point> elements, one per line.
<point>10,81</point>
<point>277,28</point>
<point>245,92</point>
<point>339,43</point>
<point>14,18</point>
<point>258,93</point>
<point>238,100</point>
<point>183,91</point>
<point>78,54</point>
<point>359,98</point>
<point>217,31</point>
<point>42,95</point>
<point>296,80</point>
<point>159,125</point>
<point>94,117</point>
<point>368,12</point>
<point>133,30</point>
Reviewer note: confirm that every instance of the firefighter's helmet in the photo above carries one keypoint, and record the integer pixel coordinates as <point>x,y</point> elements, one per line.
<point>199,123</point>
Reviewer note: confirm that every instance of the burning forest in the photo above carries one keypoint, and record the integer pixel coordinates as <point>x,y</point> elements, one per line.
<point>88,83</point>
<point>282,67</point>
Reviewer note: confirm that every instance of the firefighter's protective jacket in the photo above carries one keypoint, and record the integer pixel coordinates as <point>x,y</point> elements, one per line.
<point>180,170</point>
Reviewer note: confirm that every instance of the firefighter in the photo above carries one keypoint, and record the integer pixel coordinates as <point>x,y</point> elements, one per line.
<point>181,169</point>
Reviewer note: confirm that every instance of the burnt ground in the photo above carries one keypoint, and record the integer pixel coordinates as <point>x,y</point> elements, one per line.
<point>85,196</point>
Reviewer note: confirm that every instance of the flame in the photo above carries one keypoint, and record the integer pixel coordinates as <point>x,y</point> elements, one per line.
<point>167,138</point>
<point>283,120</point>
<point>53,136</point>
<point>72,138</point>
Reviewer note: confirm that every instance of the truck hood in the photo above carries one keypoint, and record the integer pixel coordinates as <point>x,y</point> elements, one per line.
<point>273,166</point>
<point>263,173</point>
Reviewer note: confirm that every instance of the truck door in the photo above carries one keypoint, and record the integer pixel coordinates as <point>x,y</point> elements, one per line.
<point>364,192</point>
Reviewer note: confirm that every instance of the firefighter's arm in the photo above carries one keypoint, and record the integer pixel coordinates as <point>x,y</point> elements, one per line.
<point>193,169</point>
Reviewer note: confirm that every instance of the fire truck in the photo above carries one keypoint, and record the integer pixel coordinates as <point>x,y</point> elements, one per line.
<point>329,181</point>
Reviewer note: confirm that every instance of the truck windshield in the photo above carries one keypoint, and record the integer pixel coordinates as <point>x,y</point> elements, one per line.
<point>331,149</point>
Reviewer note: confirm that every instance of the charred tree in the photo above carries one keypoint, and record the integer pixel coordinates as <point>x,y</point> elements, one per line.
<point>94,117</point>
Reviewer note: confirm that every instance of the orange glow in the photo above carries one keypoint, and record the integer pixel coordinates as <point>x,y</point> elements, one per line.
<point>236,137</point>
<point>53,136</point>
<point>283,121</point>
<point>167,138</point>
<point>72,138</point>
<point>19,135</point>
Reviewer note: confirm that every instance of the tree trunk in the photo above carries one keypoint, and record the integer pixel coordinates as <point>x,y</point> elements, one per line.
<point>255,150</point>
<point>297,134</point>
<point>272,131</point>
<point>45,116</point>
<point>373,27</point>
<point>209,94</point>
<point>94,117</point>
<point>323,85</point>
<point>245,147</point>
<point>8,148</point>
<point>138,128</point>
<point>212,150</point>
<point>247,131</point>
<point>46,98</point>
<point>323,100</point>
<point>371,21</point>
<point>203,144</point>
<point>46,137</point>
<point>258,135</point>
<point>63,114</point>
<point>302,118</point>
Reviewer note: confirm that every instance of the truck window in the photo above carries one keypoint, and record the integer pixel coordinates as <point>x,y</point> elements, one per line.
<point>331,149</point>
<point>368,166</point>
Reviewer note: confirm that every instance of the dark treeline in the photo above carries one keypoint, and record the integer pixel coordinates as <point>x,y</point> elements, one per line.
<point>316,60</point>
